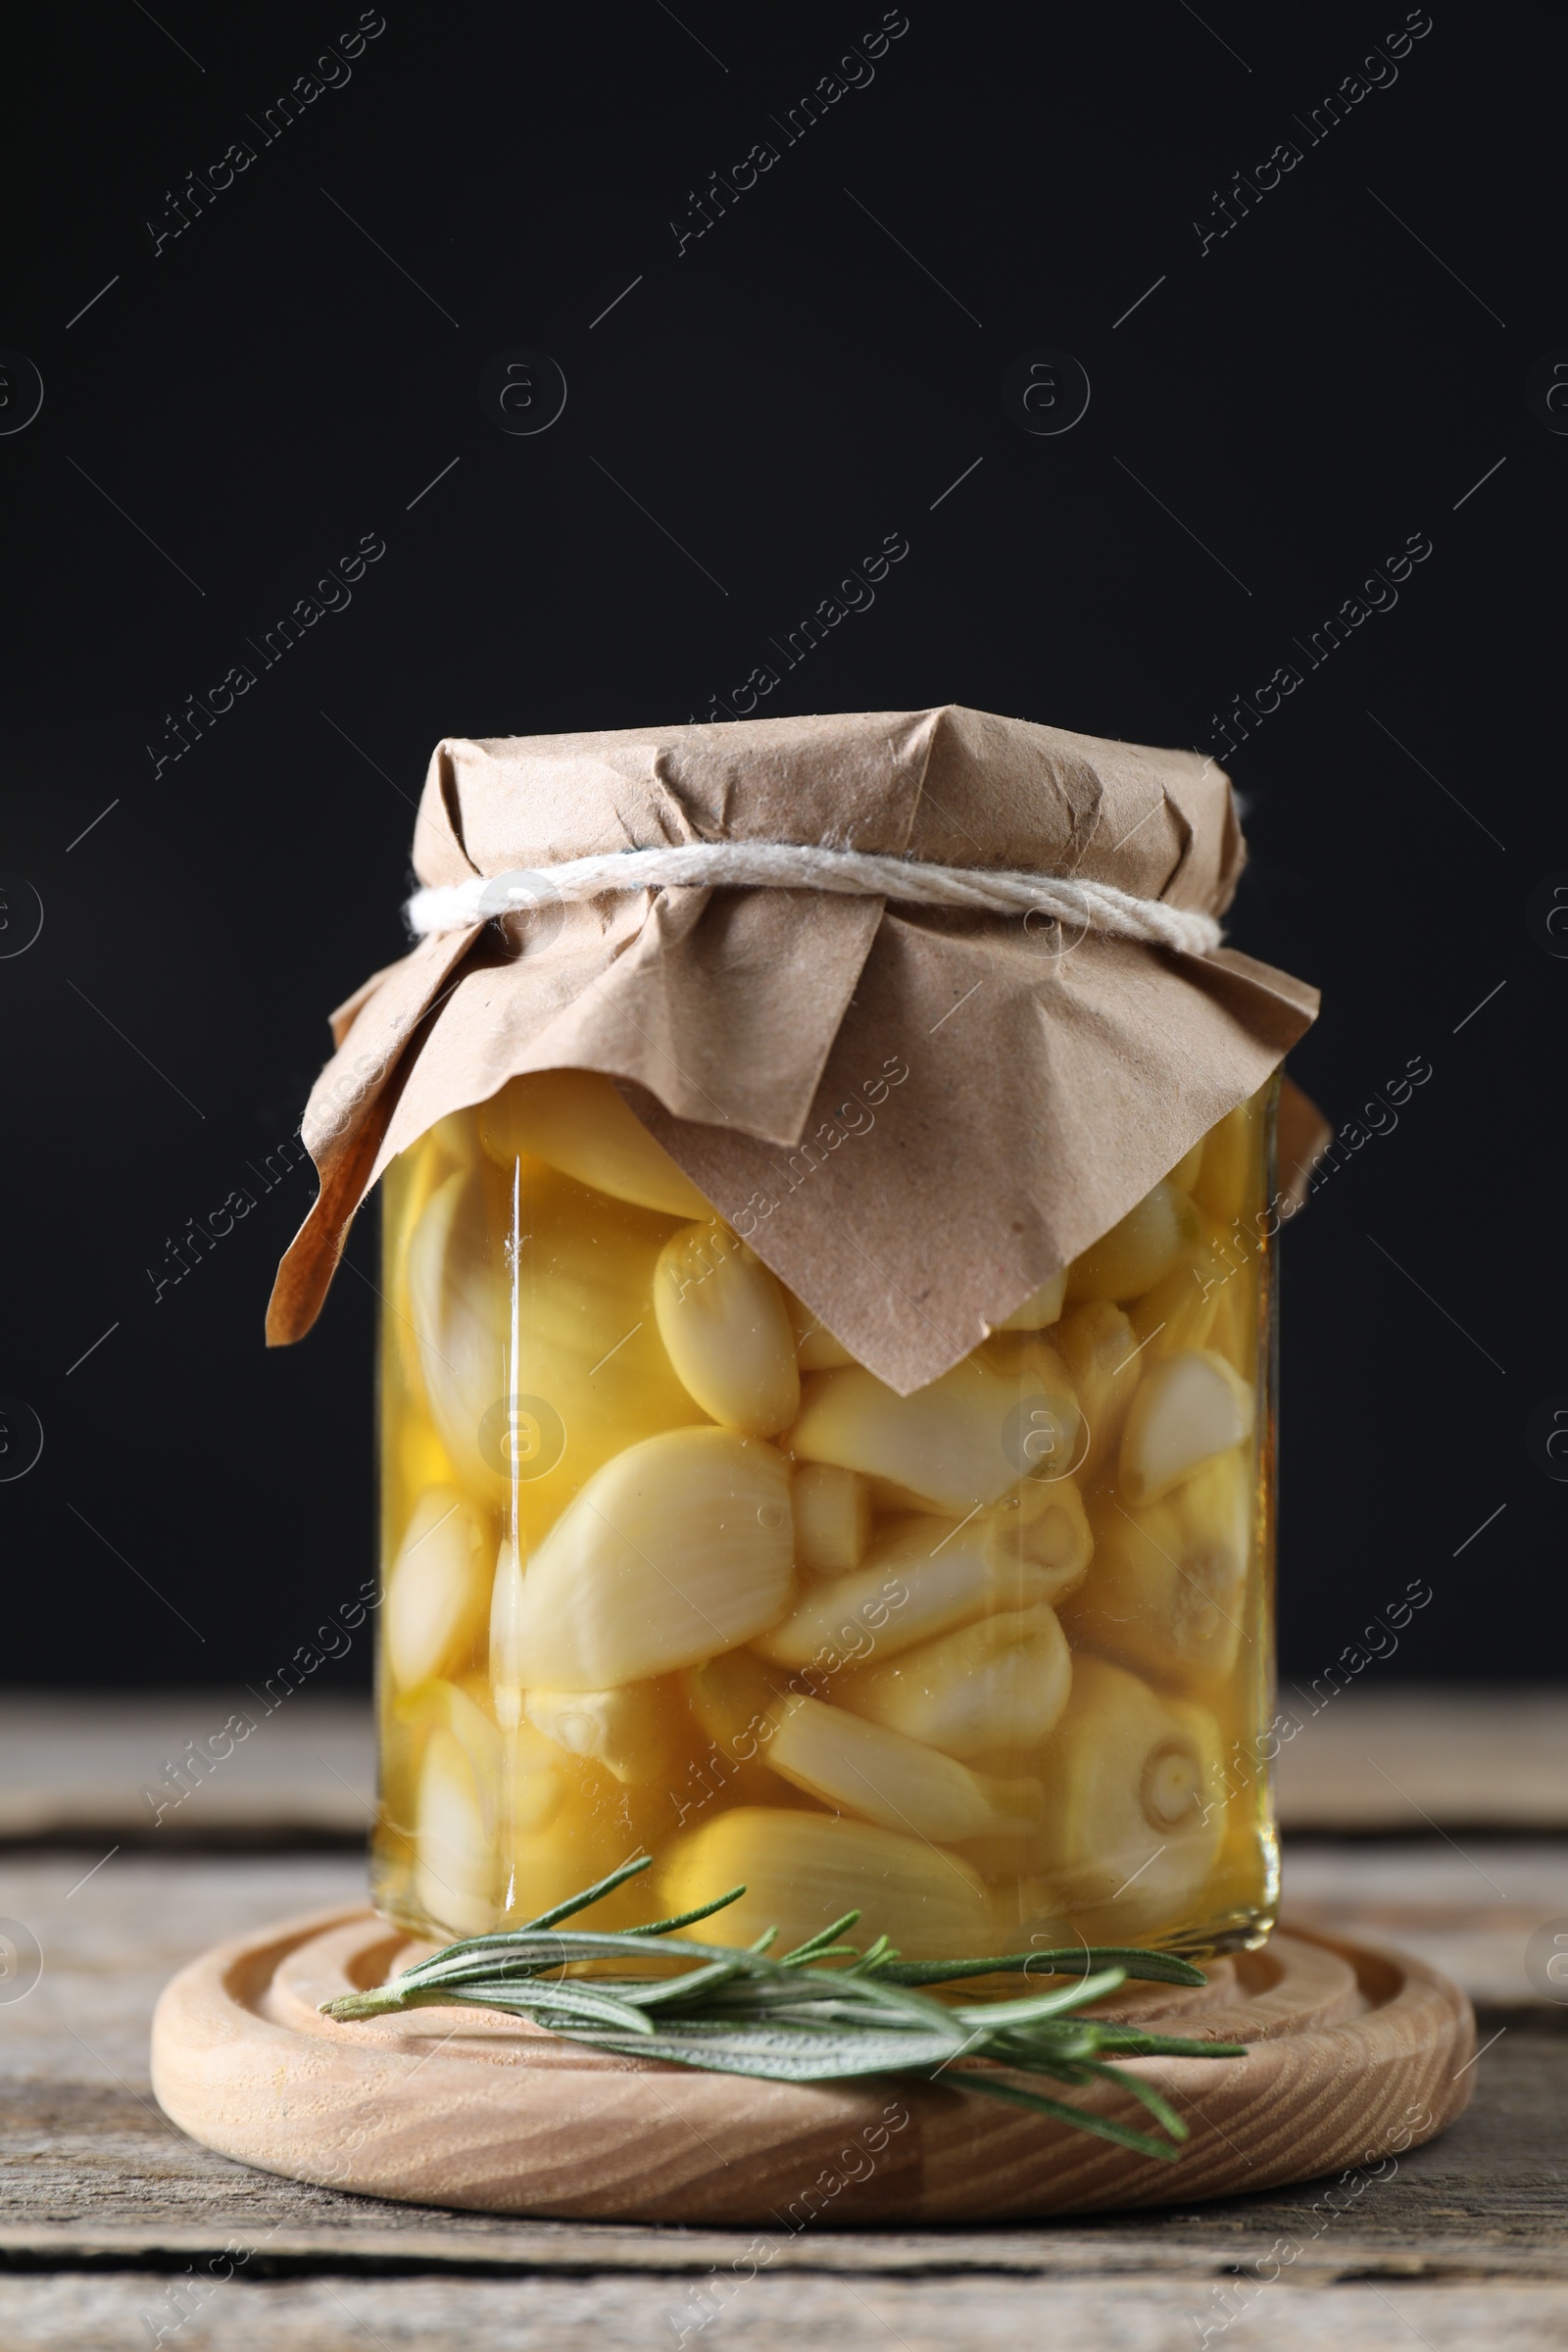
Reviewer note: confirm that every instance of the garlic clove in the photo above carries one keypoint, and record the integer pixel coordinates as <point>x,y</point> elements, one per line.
<point>1134,1806</point>
<point>421,1458</point>
<point>816,1347</point>
<point>889,1779</point>
<point>1001,1683</point>
<point>534,1782</point>
<point>594,1828</point>
<point>1187,1408</point>
<point>726,1330</point>
<point>1188,1168</point>
<point>832,1518</point>
<point>1100,1348</point>
<point>729,1696</point>
<point>1168,1592</point>
<point>1179,1311</point>
<point>678,1547</point>
<point>959,1442</point>
<point>455,1856</point>
<point>1234,1332</point>
<point>436,1593</point>
<point>627,1730</point>
<point>921,1577</point>
<point>457,1318</point>
<point>406,1188</point>
<point>538,1343</point>
<point>1137,1252</point>
<point>1232,1173</point>
<point>804,1870</point>
<point>1041,1307</point>
<point>461,1710</point>
<point>577,1121</point>
<point>1043,1522</point>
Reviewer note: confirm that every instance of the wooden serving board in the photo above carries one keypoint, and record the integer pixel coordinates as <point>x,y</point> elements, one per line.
<point>1353,2054</point>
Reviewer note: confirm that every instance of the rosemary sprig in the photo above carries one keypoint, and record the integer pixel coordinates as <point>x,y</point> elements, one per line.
<point>818,2014</point>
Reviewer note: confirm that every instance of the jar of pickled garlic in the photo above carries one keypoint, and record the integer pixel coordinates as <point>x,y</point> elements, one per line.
<point>826,1360</point>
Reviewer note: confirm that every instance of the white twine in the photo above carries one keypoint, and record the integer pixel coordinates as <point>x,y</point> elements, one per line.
<point>795,865</point>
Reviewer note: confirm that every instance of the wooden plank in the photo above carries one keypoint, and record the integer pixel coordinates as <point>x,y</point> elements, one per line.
<point>94,2313</point>
<point>181,1766</point>
<point>1409,1757</point>
<point>1469,1908</point>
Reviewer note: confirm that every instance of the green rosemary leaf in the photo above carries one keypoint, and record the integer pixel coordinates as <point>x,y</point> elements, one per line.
<point>1158,2107</point>
<point>815,1946</point>
<point>561,2007</point>
<point>697,1984</point>
<point>781,2054</point>
<point>523,1949</point>
<point>1160,1967</point>
<point>1136,2044</point>
<point>1103,2126</point>
<point>592,1895</point>
<point>1000,2014</point>
<point>685,1919</point>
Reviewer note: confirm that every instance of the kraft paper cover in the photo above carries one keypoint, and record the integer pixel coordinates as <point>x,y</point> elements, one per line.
<point>914,1115</point>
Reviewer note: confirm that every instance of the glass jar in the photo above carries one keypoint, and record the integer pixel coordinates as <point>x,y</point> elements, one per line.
<point>667,1570</point>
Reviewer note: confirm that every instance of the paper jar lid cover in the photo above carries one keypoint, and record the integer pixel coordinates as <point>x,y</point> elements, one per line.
<point>914,1115</point>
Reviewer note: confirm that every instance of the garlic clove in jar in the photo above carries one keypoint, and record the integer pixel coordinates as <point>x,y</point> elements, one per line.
<point>921,1576</point>
<point>1133,1807</point>
<point>457,1310</point>
<point>729,1696</point>
<point>678,1547</point>
<point>1138,1250</point>
<point>1042,1306</point>
<point>535,1783</point>
<point>1100,1348</point>
<point>804,1870</point>
<point>1167,1592</point>
<point>1233,1334</point>
<point>1232,1161</point>
<point>455,1864</point>
<point>577,1121</point>
<point>461,1710</point>
<point>726,1330</point>
<point>437,1591</point>
<point>627,1730</point>
<point>591,1832</point>
<point>449,1147</point>
<point>816,1347</point>
<point>889,1779</point>
<point>1179,1312</point>
<point>494,1266</point>
<point>1001,1683</point>
<point>1188,1168</point>
<point>421,1458</point>
<point>1043,1522</point>
<point>832,1518</point>
<point>959,1442</point>
<point>1187,1409</point>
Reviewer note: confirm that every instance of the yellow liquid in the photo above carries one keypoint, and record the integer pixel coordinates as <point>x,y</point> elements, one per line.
<point>666,1572</point>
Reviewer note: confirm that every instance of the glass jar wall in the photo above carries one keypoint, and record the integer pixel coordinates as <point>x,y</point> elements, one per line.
<point>667,1571</point>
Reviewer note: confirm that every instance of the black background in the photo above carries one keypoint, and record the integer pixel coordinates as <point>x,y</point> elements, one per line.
<point>224,423</point>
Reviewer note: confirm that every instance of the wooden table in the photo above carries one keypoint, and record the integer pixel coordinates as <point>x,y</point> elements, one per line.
<point>117,2231</point>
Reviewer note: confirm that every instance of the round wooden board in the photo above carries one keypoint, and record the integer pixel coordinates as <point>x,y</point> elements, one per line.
<point>1354,2054</point>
